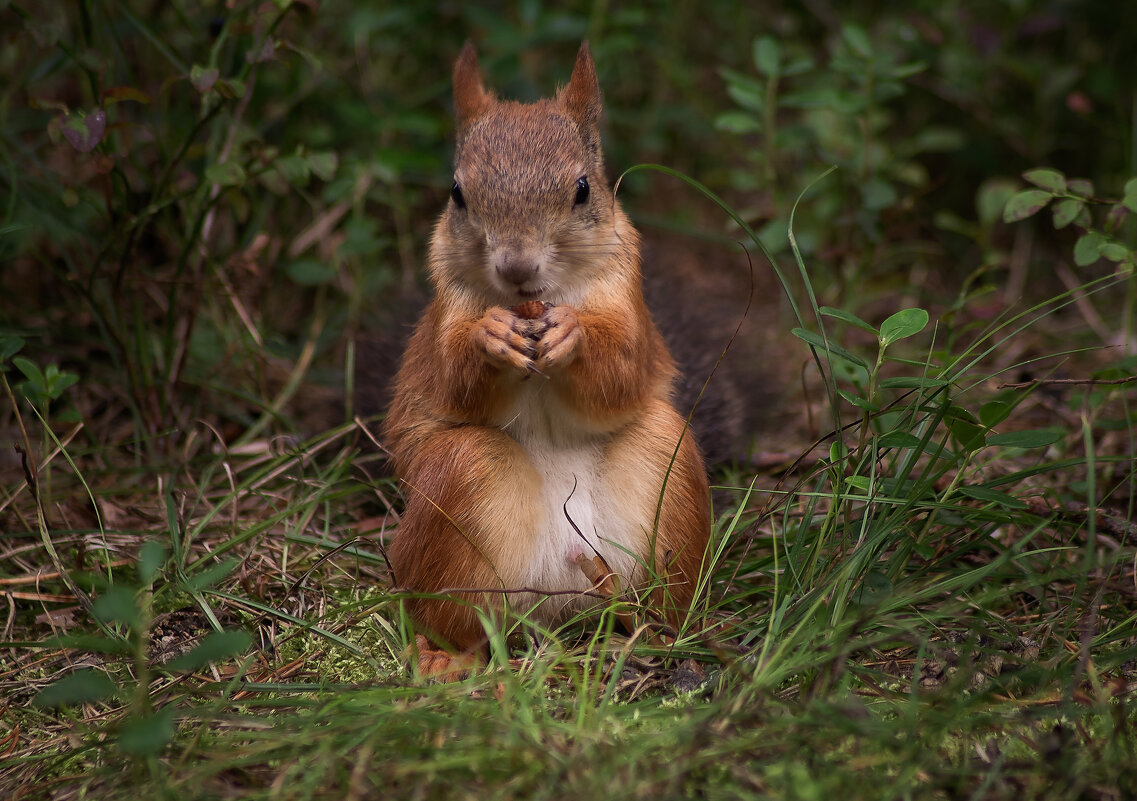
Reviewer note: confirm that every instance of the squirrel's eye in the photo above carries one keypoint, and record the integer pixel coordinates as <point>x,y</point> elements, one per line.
<point>581,191</point>
<point>456,196</point>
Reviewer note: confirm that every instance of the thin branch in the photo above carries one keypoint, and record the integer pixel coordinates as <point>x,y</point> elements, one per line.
<point>1102,382</point>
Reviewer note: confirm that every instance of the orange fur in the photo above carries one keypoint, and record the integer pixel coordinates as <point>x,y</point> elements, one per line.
<point>502,426</point>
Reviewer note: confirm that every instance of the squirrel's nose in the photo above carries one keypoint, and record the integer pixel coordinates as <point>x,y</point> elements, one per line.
<point>516,270</point>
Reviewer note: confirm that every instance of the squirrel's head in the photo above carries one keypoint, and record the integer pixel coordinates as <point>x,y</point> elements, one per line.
<point>530,212</point>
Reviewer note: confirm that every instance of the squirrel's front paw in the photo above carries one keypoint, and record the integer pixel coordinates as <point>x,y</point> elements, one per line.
<point>560,338</point>
<point>500,334</point>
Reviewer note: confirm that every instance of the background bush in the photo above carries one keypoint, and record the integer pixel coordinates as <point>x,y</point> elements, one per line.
<point>195,192</point>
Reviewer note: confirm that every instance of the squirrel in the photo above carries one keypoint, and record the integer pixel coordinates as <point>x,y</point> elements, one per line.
<point>531,420</point>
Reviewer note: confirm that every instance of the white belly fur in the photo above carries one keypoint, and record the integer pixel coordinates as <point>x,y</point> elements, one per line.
<point>564,458</point>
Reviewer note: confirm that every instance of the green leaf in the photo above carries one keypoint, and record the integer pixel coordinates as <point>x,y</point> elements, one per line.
<point>767,56</point>
<point>1025,204</point>
<point>214,647</point>
<point>875,587</point>
<point>994,412</point>
<point>58,382</point>
<point>1031,438</point>
<point>1048,179</point>
<point>898,439</point>
<point>211,575</point>
<point>902,324</point>
<point>31,372</point>
<point>751,98</point>
<point>857,39</point>
<point>1115,218</point>
<point>969,436</point>
<point>1087,249</point>
<point>992,197</point>
<point>1066,211</point>
<point>825,97</point>
<point>10,345</point>
<point>82,686</point>
<point>803,64</point>
<point>848,317</point>
<point>1080,187</point>
<point>323,164</point>
<point>902,71</point>
<point>1130,199</point>
<point>992,496</point>
<point>1115,251</point>
<point>294,168</point>
<point>858,401</point>
<point>84,131</point>
<point>228,173</point>
<point>118,605</point>
<point>149,734</point>
<point>151,557</point>
<point>203,78</point>
<point>833,348</point>
<point>737,122</point>
<point>956,412</point>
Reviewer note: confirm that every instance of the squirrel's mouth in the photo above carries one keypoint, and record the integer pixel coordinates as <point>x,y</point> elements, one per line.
<point>530,294</point>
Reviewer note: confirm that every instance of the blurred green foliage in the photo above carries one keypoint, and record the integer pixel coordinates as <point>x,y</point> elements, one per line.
<point>194,192</point>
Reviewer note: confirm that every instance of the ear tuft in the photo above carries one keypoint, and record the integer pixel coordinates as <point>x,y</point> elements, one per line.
<point>471,99</point>
<point>581,97</point>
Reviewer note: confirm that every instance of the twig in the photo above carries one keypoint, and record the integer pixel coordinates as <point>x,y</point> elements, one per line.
<point>36,578</point>
<point>29,474</point>
<point>1103,382</point>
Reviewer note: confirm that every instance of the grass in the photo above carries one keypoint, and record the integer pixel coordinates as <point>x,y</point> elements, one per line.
<point>930,596</point>
<point>919,613</point>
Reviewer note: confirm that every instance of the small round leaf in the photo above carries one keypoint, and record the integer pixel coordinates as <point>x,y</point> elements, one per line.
<point>904,323</point>
<point>203,78</point>
<point>1087,249</point>
<point>84,132</point>
<point>1025,204</point>
<point>1050,180</point>
<point>1066,211</point>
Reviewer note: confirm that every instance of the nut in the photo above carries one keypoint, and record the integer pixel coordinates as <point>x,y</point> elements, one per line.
<point>531,309</point>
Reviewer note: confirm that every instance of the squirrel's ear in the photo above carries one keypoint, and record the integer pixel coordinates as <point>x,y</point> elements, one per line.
<point>470,97</point>
<point>581,98</point>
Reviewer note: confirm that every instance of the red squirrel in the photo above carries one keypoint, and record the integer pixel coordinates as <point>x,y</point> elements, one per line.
<point>531,421</point>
